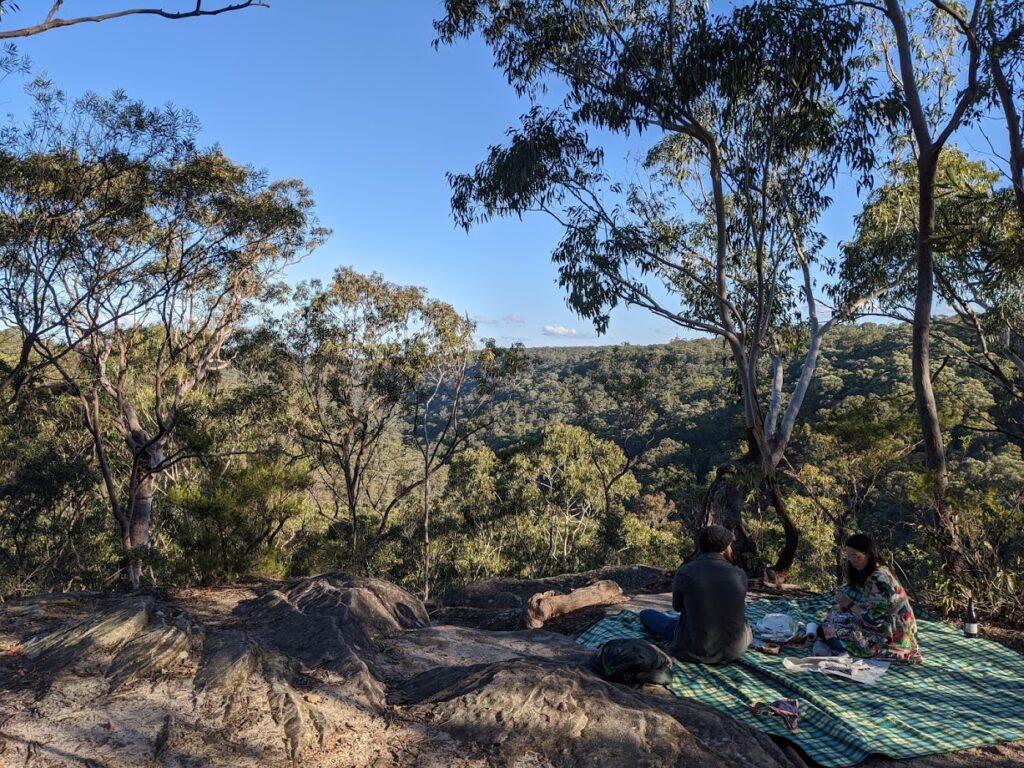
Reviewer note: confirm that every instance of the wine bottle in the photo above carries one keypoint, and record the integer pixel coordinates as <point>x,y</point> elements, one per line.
<point>970,619</point>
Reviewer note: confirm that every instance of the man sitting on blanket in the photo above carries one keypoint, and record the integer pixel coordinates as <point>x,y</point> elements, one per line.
<point>710,594</point>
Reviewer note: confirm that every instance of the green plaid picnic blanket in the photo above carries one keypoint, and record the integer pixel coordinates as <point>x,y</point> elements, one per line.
<point>968,692</point>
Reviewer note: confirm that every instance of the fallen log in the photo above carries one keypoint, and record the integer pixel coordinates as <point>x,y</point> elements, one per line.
<point>548,605</point>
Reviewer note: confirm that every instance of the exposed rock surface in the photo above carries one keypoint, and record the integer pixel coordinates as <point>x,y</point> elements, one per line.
<point>570,717</point>
<point>339,670</point>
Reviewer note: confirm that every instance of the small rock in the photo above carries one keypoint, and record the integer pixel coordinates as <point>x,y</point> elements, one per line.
<point>312,698</point>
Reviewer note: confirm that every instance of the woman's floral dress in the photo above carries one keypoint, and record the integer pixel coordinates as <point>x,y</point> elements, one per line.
<point>884,628</point>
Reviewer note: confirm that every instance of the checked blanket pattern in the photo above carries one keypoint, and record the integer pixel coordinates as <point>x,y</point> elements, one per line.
<point>968,692</point>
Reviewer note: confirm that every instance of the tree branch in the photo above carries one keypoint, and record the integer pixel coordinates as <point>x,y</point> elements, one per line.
<point>51,22</point>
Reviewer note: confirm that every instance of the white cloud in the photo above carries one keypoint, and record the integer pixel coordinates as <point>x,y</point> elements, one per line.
<point>505,320</point>
<point>559,330</point>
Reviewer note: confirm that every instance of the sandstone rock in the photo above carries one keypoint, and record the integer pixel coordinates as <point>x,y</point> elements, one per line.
<point>573,718</point>
<point>333,622</point>
<point>341,672</point>
<point>167,640</point>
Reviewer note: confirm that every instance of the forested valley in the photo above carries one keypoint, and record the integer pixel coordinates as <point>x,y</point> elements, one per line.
<point>559,460</point>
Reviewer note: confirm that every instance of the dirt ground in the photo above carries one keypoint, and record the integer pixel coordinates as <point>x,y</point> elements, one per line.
<point>158,721</point>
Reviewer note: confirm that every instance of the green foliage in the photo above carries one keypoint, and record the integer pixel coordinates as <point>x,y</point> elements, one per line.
<point>555,504</point>
<point>752,96</point>
<point>367,357</point>
<point>651,535</point>
<point>54,531</point>
<point>230,524</point>
<point>979,269</point>
<point>128,258</point>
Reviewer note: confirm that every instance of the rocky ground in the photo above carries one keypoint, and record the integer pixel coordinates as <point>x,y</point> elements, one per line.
<point>347,671</point>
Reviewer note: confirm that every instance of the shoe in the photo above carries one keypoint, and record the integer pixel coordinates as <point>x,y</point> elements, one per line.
<point>820,648</point>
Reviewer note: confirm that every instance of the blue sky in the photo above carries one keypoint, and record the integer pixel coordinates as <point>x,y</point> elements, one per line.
<point>352,98</point>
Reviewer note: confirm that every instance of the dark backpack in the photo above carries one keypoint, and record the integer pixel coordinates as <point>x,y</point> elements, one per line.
<point>633,662</point>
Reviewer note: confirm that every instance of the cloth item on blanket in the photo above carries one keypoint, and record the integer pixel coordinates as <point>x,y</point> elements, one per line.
<point>968,692</point>
<point>865,671</point>
<point>787,709</point>
<point>777,628</point>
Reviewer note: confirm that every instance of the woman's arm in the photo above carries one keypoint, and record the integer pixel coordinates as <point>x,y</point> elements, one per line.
<point>874,611</point>
<point>844,599</point>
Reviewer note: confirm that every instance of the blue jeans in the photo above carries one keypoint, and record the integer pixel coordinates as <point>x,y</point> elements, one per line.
<point>661,625</point>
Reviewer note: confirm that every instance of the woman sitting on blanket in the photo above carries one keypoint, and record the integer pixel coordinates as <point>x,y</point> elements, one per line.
<point>871,616</point>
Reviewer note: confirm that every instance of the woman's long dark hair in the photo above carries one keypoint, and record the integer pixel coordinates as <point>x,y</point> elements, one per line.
<point>862,543</point>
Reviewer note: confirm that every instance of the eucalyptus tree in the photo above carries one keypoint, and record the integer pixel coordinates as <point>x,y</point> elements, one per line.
<point>348,346</point>
<point>454,401</point>
<point>1003,40</point>
<point>74,182</point>
<point>943,64</point>
<point>977,262</point>
<point>554,492</point>
<point>934,54</point>
<point>385,372</point>
<point>129,259</point>
<point>718,236</point>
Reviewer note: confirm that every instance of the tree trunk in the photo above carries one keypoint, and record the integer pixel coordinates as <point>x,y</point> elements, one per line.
<point>927,412</point>
<point>839,538</point>
<point>140,513</point>
<point>1013,127</point>
<point>924,395</point>
<point>426,531</point>
<point>787,554</point>
<point>723,506</point>
<point>352,502</point>
<point>353,514</point>
<point>140,502</point>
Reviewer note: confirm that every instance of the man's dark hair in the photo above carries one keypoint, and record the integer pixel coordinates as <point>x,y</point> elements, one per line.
<point>714,538</point>
<point>862,543</point>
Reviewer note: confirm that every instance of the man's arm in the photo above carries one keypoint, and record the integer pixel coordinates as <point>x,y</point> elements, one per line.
<point>678,585</point>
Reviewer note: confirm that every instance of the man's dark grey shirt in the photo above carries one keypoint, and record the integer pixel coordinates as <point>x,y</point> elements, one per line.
<point>710,594</point>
